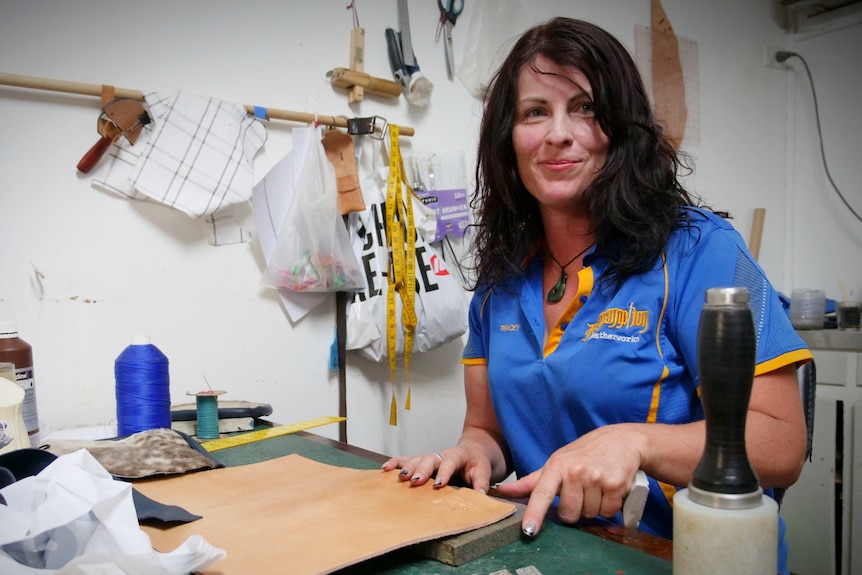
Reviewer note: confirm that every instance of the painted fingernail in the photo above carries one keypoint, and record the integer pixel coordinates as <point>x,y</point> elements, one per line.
<point>414,478</point>
<point>529,529</point>
<point>438,483</point>
<point>404,473</point>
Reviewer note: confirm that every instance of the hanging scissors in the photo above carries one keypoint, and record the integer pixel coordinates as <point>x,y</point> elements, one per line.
<point>448,17</point>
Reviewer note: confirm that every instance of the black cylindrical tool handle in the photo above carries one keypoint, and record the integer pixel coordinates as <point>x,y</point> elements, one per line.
<point>725,353</point>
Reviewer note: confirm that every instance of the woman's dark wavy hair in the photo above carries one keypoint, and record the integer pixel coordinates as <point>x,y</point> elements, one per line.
<point>636,199</point>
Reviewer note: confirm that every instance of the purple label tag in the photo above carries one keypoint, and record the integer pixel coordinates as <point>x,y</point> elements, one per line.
<point>452,209</point>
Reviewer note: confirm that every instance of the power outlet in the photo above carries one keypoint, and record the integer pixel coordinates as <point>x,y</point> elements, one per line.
<point>769,57</point>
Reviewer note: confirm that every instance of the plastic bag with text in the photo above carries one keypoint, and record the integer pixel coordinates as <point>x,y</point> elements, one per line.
<point>314,252</point>
<point>441,302</point>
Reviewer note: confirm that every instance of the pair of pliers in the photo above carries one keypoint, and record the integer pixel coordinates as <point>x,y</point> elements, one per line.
<point>448,17</point>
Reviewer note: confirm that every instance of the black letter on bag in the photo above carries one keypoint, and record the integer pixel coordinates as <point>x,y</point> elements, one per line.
<point>423,271</point>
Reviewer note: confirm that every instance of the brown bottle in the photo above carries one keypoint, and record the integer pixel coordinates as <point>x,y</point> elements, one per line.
<point>15,350</point>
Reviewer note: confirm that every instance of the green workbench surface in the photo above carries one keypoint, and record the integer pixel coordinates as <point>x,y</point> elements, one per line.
<point>556,550</point>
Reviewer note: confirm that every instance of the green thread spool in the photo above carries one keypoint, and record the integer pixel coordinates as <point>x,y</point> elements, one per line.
<point>206,405</point>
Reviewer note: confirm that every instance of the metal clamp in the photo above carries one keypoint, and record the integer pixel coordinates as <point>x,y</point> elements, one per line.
<point>373,126</point>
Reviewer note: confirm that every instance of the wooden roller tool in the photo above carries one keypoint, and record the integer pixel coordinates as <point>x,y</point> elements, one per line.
<point>120,117</point>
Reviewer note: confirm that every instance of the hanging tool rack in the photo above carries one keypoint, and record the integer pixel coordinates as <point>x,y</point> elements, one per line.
<point>36,83</point>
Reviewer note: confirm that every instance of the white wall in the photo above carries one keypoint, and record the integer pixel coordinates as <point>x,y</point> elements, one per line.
<point>826,238</point>
<point>113,268</point>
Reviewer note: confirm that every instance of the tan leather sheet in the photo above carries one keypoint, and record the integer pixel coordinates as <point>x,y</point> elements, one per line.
<point>668,83</point>
<point>295,515</point>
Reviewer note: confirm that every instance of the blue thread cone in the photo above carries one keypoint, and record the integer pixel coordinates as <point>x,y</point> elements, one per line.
<point>142,388</point>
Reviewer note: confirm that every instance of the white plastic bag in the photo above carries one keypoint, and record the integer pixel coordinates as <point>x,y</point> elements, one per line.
<point>441,303</point>
<point>74,517</point>
<point>313,251</point>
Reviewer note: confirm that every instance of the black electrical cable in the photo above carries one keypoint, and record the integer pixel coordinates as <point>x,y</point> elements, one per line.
<point>783,55</point>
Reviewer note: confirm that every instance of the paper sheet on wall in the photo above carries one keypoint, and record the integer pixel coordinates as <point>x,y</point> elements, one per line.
<point>293,514</point>
<point>271,199</point>
<point>197,155</point>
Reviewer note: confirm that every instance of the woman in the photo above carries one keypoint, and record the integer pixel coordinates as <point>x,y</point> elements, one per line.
<point>592,264</point>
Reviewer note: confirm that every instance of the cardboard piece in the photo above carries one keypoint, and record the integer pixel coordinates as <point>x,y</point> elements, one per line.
<point>298,515</point>
<point>667,78</point>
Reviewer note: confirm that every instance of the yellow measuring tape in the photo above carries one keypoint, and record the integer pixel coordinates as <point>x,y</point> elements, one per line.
<point>401,241</point>
<point>252,436</point>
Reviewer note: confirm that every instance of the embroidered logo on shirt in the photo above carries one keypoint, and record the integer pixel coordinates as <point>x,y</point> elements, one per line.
<point>619,319</point>
<point>510,326</point>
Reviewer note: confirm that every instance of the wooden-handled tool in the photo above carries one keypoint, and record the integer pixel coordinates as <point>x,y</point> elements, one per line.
<point>724,505</point>
<point>120,117</point>
<point>347,78</point>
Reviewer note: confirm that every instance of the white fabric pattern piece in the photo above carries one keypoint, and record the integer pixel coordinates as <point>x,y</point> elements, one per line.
<point>199,157</point>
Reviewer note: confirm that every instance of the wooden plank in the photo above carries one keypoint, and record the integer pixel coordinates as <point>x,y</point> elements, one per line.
<point>459,549</point>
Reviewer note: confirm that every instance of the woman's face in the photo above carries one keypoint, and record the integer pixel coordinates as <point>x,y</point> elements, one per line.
<point>558,143</point>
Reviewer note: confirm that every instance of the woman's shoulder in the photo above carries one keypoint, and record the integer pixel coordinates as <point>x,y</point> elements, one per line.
<point>700,229</point>
<point>705,219</point>
<point>696,222</point>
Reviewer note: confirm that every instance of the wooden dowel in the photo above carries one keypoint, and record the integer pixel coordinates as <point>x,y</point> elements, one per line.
<point>756,232</point>
<point>356,92</point>
<point>35,83</point>
<point>64,86</point>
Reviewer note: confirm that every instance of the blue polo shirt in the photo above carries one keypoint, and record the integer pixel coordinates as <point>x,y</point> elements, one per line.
<point>617,356</point>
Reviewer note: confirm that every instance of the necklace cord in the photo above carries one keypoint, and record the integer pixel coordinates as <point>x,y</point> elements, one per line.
<point>579,254</point>
<point>556,292</point>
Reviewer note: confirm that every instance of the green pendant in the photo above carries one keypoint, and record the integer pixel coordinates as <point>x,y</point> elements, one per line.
<point>556,293</point>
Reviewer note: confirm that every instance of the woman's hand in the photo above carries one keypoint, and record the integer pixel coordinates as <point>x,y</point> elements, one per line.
<point>481,455</point>
<point>592,476</point>
<point>471,464</point>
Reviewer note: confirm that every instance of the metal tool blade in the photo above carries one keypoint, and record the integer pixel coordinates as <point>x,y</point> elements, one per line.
<point>450,56</point>
<point>396,61</point>
<point>635,501</point>
<point>404,27</point>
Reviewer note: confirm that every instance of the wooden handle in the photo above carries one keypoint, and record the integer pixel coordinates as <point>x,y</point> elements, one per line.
<point>94,154</point>
<point>725,358</point>
<point>756,232</point>
<point>345,78</point>
<point>357,63</point>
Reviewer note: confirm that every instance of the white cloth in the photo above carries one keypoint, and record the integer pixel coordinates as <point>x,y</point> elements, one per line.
<point>74,518</point>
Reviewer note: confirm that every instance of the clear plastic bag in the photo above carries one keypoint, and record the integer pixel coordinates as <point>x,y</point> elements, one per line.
<point>494,27</point>
<point>313,250</point>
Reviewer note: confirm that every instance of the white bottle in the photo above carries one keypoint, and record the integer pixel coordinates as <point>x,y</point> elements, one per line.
<point>13,432</point>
